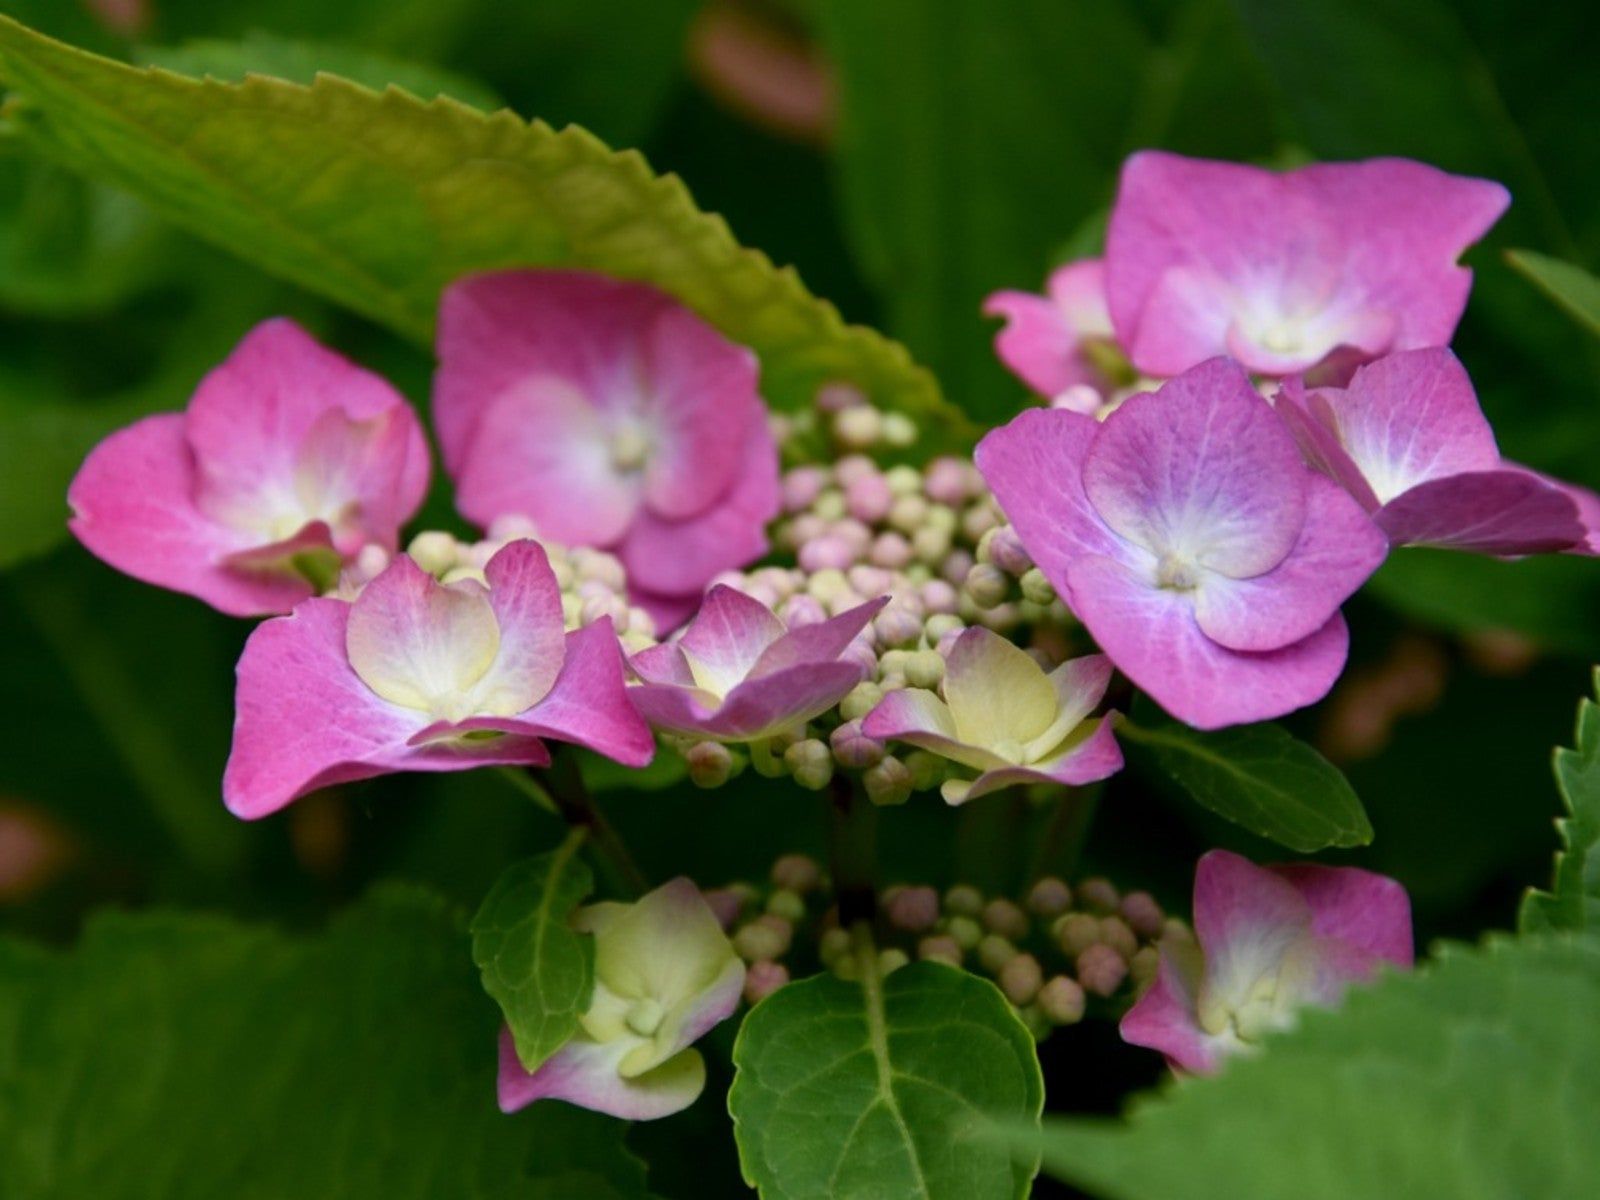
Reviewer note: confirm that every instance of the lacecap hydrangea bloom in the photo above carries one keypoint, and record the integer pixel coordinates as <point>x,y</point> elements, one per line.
<point>1004,718</point>
<point>288,461</point>
<point>1190,538</point>
<point>419,675</point>
<point>664,975</point>
<point>1267,942</point>
<point>611,416</point>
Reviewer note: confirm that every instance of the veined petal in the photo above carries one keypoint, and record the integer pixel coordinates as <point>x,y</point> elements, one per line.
<point>589,704</point>
<point>526,601</point>
<point>727,638</point>
<point>1503,511</point>
<point>586,1073</point>
<point>1368,911</point>
<point>997,694</point>
<point>918,717</point>
<point>1080,684</point>
<point>1247,920</point>
<point>821,642</point>
<point>1165,1018</point>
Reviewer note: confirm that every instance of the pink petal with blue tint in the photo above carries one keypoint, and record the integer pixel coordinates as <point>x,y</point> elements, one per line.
<point>1153,637</point>
<point>1201,469</point>
<point>1338,550</point>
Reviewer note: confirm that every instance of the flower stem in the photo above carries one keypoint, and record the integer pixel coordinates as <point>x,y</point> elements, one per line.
<point>853,849</point>
<point>561,790</point>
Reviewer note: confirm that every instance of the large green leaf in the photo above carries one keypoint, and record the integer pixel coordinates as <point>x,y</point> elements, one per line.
<point>1573,901</point>
<point>1573,288</point>
<point>182,1056</point>
<point>970,146</point>
<point>1476,1077</point>
<point>539,970</point>
<point>1258,776</point>
<point>379,200</point>
<point>850,1090</point>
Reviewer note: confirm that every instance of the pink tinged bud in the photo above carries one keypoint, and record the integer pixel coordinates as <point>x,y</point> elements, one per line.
<point>888,783</point>
<point>977,521</point>
<point>1099,894</point>
<point>1101,969</point>
<point>1062,1001</point>
<point>955,567</point>
<point>987,585</point>
<point>871,581</point>
<point>1076,932</point>
<point>801,486</point>
<point>796,873</point>
<point>869,498</point>
<point>802,610</point>
<point>1006,919</point>
<point>890,550</point>
<point>948,481</point>
<point>938,596</point>
<point>1006,551</point>
<point>853,533</point>
<point>994,952</point>
<point>762,979</point>
<point>804,528</point>
<point>1049,897</point>
<point>897,626</point>
<point>836,397</point>
<point>710,764</point>
<point>825,552</point>
<point>913,909</point>
<point>1079,398</point>
<point>1021,978</point>
<point>725,904</point>
<point>964,900</point>
<point>763,939</point>
<point>852,749</point>
<point>1114,932</point>
<point>940,947</point>
<point>1143,914</point>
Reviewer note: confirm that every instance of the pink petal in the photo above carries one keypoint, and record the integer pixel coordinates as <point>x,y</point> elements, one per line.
<point>1319,441</point>
<point>1246,919</point>
<point>133,507</point>
<point>304,720</point>
<point>1153,637</point>
<point>526,600</point>
<point>1095,758</point>
<point>663,663</point>
<point>756,708</point>
<point>821,642</point>
<point>1080,685</point>
<point>587,1074</point>
<point>1041,340</point>
<point>1506,512</point>
<point>730,632</point>
<point>1165,1017</point>
<point>1368,911</point>
<point>1339,548</point>
<point>590,702</point>
<point>1202,469</point>
<point>918,717</point>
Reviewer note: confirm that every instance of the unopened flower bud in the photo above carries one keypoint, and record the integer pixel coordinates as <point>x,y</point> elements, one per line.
<point>955,566</point>
<point>1021,978</point>
<point>765,938</point>
<point>1006,551</point>
<point>1036,589</point>
<point>788,905</point>
<point>946,480</point>
<point>1114,932</point>
<point>977,521</point>
<point>1049,897</point>
<point>913,909</point>
<point>1005,918</point>
<point>834,945</point>
<point>824,552</point>
<point>853,749</point>
<point>1062,1000</point>
<point>836,397</point>
<point>726,904</point>
<point>994,952</point>
<point>891,959</point>
<point>937,627</point>
<point>1078,398</point>
<point>908,513</point>
<point>1101,969</point>
<point>710,764</point>
<point>938,596</point>
<point>371,560</point>
<point>964,899</point>
<point>899,430</point>
<point>925,669</point>
<point>829,507</point>
<point>868,498</point>
<point>897,626</point>
<point>1144,965</point>
<point>434,551</point>
<point>1176,929</point>
<point>987,585</point>
<point>927,770</point>
<point>1076,932</point>
<point>851,467</point>
<point>763,978</point>
<point>801,486</point>
<point>796,873</point>
<point>810,762</point>
<point>888,783</point>
<point>1099,894</point>
<point>1143,914</point>
<point>930,544</point>
<point>967,932</point>
<point>860,700</point>
<point>858,427</point>
<point>940,947</point>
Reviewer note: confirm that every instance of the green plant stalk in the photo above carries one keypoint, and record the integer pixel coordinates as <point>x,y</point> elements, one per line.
<point>560,790</point>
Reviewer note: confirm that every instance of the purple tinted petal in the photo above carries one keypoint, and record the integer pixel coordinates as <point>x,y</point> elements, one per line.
<point>1339,548</point>
<point>526,600</point>
<point>1368,911</point>
<point>1246,919</point>
<point>1165,1019</point>
<point>1508,512</point>
<point>730,632</point>
<point>1315,429</point>
<point>822,642</point>
<point>587,1074</point>
<point>1041,341</point>
<point>590,703</point>
<point>756,708</point>
<point>1095,758</point>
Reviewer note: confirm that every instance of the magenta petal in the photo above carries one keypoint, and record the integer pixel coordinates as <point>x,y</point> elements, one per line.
<point>1034,466</point>
<point>1368,911</point>
<point>133,507</point>
<point>526,600</point>
<point>1165,1017</point>
<point>1507,512</point>
<point>304,720</point>
<point>821,642</point>
<point>1042,338</point>
<point>663,663</point>
<point>1095,758</point>
<point>755,708</point>
<point>590,702</point>
<point>1201,468</point>
<point>1153,637</point>
<point>1319,442</point>
<point>587,1074</point>
<point>1246,918</point>
<point>1339,548</point>
<point>730,632</point>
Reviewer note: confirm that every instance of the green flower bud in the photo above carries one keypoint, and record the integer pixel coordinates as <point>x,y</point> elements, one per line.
<point>1021,979</point>
<point>1036,588</point>
<point>927,770</point>
<point>1076,932</point>
<point>786,904</point>
<point>891,960</point>
<point>903,480</point>
<point>858,427</point>
<point>710,764</point>
<point>966,932</point>
<point>888,783</point>
<point>899,430</point>
<point>1099,894</point>
<point>1114,932</point>
<point>930,544</point>
<point>925,669</point>
<point>863,698</point>
<point>811,764</point>
<point>987,585</point>
<point>938,625</point>
<point>1036,1023</point>
<point>964,899</point>
<point>1049,897</point>
<point>1144,965</point>
<point>907,513</point>
<point>761,940</point>
<point>834,944</point>
<point>1006,919</point>
<point>434,551</point>
<point>994,952</point>
<point>1062,1000</point>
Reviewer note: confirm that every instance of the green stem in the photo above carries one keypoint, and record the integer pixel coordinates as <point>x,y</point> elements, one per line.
<point>561,790</point>
<point>853,851</point>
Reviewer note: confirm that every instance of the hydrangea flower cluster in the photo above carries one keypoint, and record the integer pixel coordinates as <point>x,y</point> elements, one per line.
<point>1250,402</point>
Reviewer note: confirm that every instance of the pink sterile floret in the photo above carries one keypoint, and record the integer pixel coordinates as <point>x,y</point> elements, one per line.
<point>738,673</point>
<point>418,675</point>
<point>287,461</point>
<point>1268,941</point>
<point>612,416</point>
<point>1407,439</point>
<point>1187,534</point>
<point>1281,269</point>
<point>1046,338</point>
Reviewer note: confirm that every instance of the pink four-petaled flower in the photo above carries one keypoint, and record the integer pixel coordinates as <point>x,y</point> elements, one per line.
<point>1188,535</point>
<point>418,675</point>
<point>1268,941</point>
<point>287,461</point>
<point>612,416</point>
<point>1278,270</point>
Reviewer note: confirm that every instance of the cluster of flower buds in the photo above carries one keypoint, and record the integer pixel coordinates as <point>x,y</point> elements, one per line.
<point>1049,954</point>
<point>593,583</point>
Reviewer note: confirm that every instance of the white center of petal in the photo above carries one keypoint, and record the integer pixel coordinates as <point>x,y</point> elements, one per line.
<point>1264,1004</point>
<point>1011,751</point>
<point>629,445</point>
<point>644,1016</point>
<point>1176,573</point>
<point>434,665</point>
<point>713,678</point>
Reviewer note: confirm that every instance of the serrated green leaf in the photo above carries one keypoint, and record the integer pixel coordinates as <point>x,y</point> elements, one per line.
<point>877,1090</point>
<point>1571,287</point>
<point>379,200</point>
<point>539,970</point>
<point>183,1057</point>
<point>1476,1077</point>
<point>1257,776</point>
<point>1573,902</point>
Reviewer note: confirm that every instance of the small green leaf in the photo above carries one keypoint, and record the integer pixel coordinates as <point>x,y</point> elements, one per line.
<point>1573,288</point>
<point>379,201</point>
<point>1476,1076</point>
<point>1260,777</point>
<point>192,1057</point>
<point>850,1090</point>
<point>538,969</point>
<point>1573,901</point>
